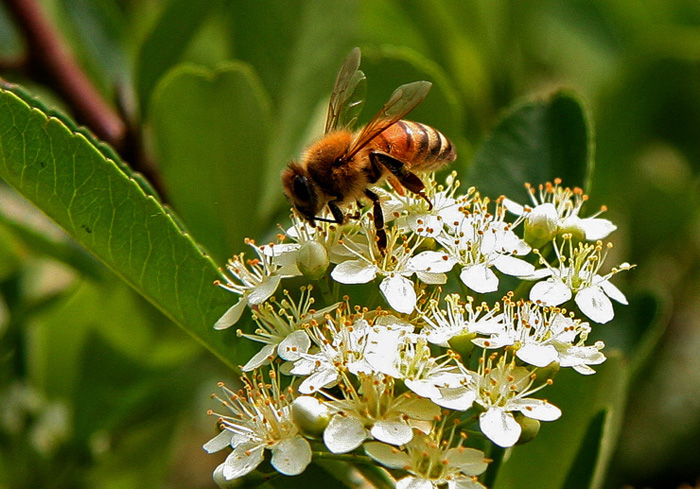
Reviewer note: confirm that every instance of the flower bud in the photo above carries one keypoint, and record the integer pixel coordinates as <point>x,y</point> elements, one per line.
<point>312,260</point>
<point>530,428</point>
<point>462,343</point>
<point>310,415</point>
<point>541,225</point>
<point>574,227</point>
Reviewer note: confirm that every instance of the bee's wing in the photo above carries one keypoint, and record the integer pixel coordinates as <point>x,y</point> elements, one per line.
<point>348,94</point>
<point>402,101</point>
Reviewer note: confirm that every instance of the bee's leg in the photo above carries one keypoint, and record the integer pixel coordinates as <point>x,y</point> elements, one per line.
<point>399,169</point>
<point>337,213</point>
<point>378,219</point>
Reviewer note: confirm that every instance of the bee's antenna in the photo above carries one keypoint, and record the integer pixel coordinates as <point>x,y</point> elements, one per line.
<point>324,219</point>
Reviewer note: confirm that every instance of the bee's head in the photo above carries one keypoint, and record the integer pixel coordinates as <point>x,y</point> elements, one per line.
<point>301,191</point>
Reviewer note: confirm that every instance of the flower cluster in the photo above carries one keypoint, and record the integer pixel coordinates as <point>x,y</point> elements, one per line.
<point>430,348</point>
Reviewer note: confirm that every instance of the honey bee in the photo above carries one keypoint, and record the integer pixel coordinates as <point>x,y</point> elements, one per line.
<point>341,166</point>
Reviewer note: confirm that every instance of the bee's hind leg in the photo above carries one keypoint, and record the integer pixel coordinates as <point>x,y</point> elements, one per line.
<point>378,219</point>
<point>399,169</point>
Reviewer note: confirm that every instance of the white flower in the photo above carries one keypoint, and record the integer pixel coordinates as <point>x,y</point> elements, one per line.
<point>408,357</point>
<point>460,319</point>
<point>260,418</point>
<point>542,335</point>
<point>577,275</point>
<point>480,241</point>
<point>396,264</point>
<point>556,211</point>
<point>503,389</point>
<point>412,212</point>
<point>255,281</point>
<point>282,328</point>
<point>374,410</point>
<point>337,348</point>
<point>432,461</point>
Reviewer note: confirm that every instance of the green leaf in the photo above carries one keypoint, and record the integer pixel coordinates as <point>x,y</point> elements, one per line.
<point>90,197</point>
<point>557,447</point>
<point>42,236</point>
<point>583,469</point>
<point>210,131</point>
<point>167,42</point>
<point>534,143</point>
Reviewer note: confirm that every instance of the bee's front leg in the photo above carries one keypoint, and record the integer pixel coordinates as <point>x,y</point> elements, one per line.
<point>399,169</point>
<point>336,211</point>
<point>378,219</point>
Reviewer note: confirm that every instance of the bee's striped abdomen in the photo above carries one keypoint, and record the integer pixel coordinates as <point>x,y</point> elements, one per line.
<point>421,147</point>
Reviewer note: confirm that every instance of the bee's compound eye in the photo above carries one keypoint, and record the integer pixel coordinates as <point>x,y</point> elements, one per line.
<point>302,189</point>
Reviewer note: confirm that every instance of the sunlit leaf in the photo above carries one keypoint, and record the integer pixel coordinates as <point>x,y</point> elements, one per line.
<point>109,213</point>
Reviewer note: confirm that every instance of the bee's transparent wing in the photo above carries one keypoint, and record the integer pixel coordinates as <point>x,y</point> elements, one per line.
<point>402,101</point>
<point>348,94</point>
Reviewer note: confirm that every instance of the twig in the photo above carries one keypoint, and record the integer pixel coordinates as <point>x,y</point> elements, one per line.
<point>50,59</point>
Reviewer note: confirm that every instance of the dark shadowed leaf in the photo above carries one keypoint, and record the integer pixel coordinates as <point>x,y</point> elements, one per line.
<point>535,143</point>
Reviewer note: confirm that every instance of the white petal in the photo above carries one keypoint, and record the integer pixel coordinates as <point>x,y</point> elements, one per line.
<point>537,355</point>
<point>537,409</point>
<point>431,261</point>
<point>550,292</point>
<point>595,304</point>
<point>242,460</point>
<point>613,292</point>
<point>392,432</point>
<point>399,293</point>
<point>291,456</point>
<point>263,357</point>
<point>318,380</point>
<point>469,460</point>
<point>387,455</point>
<point>354,272</point>
<point>264,291</point>
<point>432,278</point>
<point>538,274</point>
<point>294,345</point>
<point>421,409</point>
<point>511,265</point>
<point>597,228</point>
<point>233,314</point>
<point>458,398</point>
<point>344,434</point>
<point>500,427</point>
<point>479,278</point>
<point>581,355</point>
<point>424,224</point>
<point>219,442</point>
<point>514,207</point>
<point>411,482</point>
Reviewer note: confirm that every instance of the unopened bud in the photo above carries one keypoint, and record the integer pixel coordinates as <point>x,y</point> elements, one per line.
<point>573,226</point>
<point>530,428</point>
<point>541,225</point>
<point>462,343</point>
<point>310,415</point>
<point>312,260</point>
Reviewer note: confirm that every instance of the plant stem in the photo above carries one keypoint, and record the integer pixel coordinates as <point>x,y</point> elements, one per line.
<point>496,455</point>
<point>50,56</point>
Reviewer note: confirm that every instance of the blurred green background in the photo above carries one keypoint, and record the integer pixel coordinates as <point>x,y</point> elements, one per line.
<point>99,389</point>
